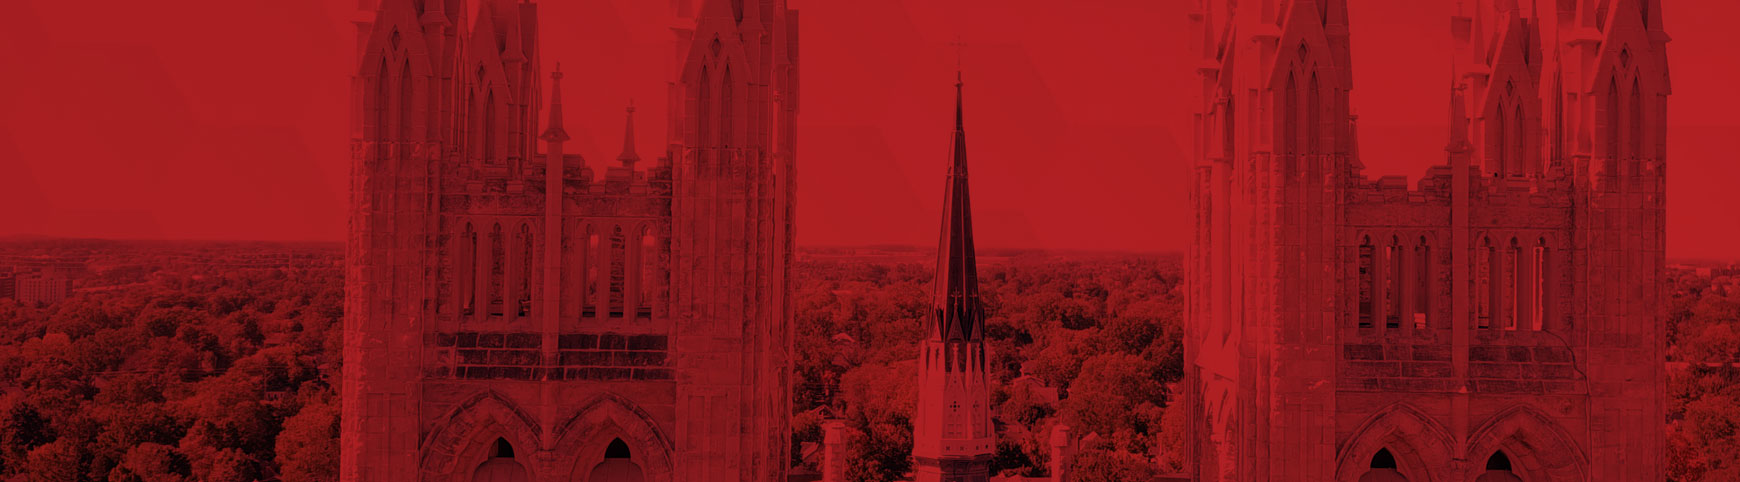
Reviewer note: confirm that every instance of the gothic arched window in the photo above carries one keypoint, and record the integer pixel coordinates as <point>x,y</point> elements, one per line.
<point>466,269</point>
<point>618,265</point>
<point>1510,302</point>
<point>1383,468</point>
<point>1498,469</point>
<point>725,123</point>
<point>649,271</point>
<point>589,273</point>
<point>1422,283</point>
<point>1313,102</point>
<point>1612,132</point>
<point>501,466</point>
<point>497,268</point>
<point>383,92</point>
<point>1542,283</point>
<point>525,282</point>
<point>618,465</point>
<point>1518,144</point>
<point>1366,272</point>
<point>1499,145</point>
<point>1289,116</point>
<point>1393,284</point>
<point>406,123</point>
<point>1558,119</point>
<point>489,152</point>
<point>1229,129</point>
<point>1483,271</point>
<point>704,105</point>
<point>1639,150</point>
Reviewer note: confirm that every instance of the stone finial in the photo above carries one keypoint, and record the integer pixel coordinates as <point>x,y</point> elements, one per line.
<point>834,451</point>
<point>1062,452</point>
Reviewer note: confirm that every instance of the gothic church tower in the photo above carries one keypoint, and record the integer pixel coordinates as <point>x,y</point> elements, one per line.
<point>1499,318</point>
<point>952,438</point>
<point>519,312</point>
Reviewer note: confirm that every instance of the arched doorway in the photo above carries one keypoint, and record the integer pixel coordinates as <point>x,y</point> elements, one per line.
<point>501,466</point>
<point>618,465</point>
<point>1498,469</point>
<point>1383,468</point>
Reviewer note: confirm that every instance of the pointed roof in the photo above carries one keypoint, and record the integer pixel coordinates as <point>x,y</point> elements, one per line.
<point>555,133</point>
<point>1458,121</point>
<point>955,310</point>
<point>628,156</point>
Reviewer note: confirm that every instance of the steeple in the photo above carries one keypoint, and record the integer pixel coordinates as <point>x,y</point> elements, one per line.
<point>628,156</point>
<point>952,436</point>
<point>555,133</point>
<point>956,301</point>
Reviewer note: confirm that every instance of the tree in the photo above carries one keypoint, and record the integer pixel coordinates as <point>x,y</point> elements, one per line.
<point>308,446</point>
<point>22,429</point>
<point>56,461</point>
<point>149,462</point>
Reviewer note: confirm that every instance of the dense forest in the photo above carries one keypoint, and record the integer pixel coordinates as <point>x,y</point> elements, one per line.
<point>219,362</point>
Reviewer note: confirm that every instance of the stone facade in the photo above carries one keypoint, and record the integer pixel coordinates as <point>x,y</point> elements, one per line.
<point>514,314</point>
<point>1500,319</point>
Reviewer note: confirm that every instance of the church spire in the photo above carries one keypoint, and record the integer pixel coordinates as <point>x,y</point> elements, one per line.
<point>953,438</point>
<point>956,302</point>
<point>628,156</point>
<point>555,133</point>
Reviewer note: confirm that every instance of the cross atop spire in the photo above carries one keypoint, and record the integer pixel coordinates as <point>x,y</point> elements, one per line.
<point>960,46</point>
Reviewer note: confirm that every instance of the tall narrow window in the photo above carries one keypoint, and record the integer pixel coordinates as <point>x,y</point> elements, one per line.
<point>472,146</point>
<point>1499,145</point>
<point>383,92</point>
<point>649,271</point>
<point>489,127</point>
<point>704,103</point>
<point>1393,284</point>
<point>1483,284</point>
<point>406,123</point>
<point>525,289</point>
<point>1422,283</point>
<point>1639,150</point>
<point>497,268</point>
<point>1230,129</point>
<point>1611,163</point>
<point>725,124</point>
<point>1558,120</point>
<point>466,268</point>
<point>618,262</point>
<point>1509,301</point>
<point>1289,117</point>
<point>1542,279</point>
<point>1365,283</point>
<point>1312,104</point>
<point>589,266</point>
<point>1519,157</point>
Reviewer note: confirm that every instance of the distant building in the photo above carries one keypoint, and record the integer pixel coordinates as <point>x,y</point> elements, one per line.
<point>43,289</point>
<point>8,285</point>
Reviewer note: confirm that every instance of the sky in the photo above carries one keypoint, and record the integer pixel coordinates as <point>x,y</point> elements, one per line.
<point>218,119</point>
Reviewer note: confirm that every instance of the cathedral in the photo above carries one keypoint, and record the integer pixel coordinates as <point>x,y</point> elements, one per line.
<point>1499,319</point>
<point>516,312</point>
